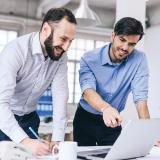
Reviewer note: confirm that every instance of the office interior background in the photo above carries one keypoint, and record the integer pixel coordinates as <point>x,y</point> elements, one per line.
<point>19,17</point>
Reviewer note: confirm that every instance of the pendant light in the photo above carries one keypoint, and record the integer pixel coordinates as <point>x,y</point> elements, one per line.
<point>85,16</point>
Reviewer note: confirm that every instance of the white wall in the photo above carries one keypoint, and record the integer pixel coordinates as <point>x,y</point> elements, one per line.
<point>152,48</point>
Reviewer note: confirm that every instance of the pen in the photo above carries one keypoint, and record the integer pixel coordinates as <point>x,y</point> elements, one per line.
<point>34,133</point>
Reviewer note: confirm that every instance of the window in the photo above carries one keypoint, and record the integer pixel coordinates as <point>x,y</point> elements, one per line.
<point>5,37</point>
<point>75,52</point>
<point>77,49</point>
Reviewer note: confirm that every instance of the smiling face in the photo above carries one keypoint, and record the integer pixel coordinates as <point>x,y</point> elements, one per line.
<point>122,46</point>
<point>54,52</point>
<point>57,37</point>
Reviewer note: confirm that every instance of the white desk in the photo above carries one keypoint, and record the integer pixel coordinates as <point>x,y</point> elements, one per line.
<point>154,153</point>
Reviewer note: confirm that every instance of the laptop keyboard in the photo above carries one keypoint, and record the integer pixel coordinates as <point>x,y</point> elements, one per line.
<point>101,155</point>
<point>83,157</point>
<point>89,155</point>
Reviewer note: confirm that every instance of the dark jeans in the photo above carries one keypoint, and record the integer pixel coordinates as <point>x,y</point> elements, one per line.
<point>90,130</point>
<point>26,121</point>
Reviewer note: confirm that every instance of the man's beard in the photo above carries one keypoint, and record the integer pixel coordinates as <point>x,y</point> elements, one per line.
<point>50,49</point>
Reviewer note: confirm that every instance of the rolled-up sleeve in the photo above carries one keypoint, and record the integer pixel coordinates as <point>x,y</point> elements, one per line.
<point>139,84</point>
<point>9,65</point>
<point>86,76</point>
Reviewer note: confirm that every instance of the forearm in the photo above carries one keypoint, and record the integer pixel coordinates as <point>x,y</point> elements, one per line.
<point>142,110</point>
<point>111,116</point>
<point>60,94</point>
<point>94,99</point>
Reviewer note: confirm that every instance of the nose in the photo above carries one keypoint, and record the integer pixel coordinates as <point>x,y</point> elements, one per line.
<point>66,45</point>
<point>125,47</point>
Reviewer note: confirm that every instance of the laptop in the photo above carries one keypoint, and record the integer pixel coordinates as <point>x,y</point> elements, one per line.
<point>136,140</point>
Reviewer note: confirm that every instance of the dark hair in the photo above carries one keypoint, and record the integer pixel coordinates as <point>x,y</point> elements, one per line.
<point>129,26</point>
<point>56,14</point>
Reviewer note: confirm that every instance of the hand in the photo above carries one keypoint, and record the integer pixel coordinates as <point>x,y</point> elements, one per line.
<point>54,147</point>
<point>37,147</point>
<point>111,117</point>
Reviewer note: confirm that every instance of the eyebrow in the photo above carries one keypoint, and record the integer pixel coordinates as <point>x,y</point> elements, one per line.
<point>133,43</point>
<point>64,36</point>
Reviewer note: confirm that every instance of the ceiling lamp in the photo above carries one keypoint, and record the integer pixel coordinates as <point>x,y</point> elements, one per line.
<point>85,16</point>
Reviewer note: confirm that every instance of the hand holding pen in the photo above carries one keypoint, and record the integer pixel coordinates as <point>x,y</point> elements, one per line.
<point>53,145</point>
<point>37,146</point>
<point>36,135</point>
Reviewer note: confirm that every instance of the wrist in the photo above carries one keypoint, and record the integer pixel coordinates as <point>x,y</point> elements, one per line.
<point>25,140</point>
<point>104,108</point>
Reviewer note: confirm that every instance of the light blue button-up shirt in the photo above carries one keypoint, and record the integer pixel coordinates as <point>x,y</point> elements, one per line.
<point>24,76</point>
<point>113,82</point>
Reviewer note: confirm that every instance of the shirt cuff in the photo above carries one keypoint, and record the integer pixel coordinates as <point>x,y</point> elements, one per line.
<point>140,99</point>
<point>87,86</point>
<point>18,135</point>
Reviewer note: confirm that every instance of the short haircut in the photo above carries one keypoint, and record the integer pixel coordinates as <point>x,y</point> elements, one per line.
<point>129,26</point>
<point>57,14</point>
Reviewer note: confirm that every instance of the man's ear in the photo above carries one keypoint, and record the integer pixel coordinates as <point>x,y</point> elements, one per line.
<point>113,36</point>
<point>46,30</point>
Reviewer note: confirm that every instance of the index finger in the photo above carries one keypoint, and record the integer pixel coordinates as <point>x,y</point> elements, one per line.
<point>45,142</point>
<point>119,120</point>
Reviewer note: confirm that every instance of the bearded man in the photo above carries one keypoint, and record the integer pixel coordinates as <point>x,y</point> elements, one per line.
<point>28,66</point>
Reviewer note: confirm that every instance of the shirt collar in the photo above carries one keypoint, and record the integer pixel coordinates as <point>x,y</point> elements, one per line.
<point>105,59</point>
<point>36,45</point>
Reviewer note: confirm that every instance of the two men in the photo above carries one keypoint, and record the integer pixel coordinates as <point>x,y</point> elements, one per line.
<point>107,75</point>
<point>28,65</point>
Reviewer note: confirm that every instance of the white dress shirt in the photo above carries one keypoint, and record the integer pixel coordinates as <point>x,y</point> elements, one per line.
<point>24,76</point>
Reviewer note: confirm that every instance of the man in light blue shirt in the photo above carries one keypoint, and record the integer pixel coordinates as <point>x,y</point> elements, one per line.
<point>28,66</point>
<point>107,75</point>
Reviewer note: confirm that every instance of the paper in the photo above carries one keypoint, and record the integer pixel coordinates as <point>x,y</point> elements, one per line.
<point>48,157</point>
